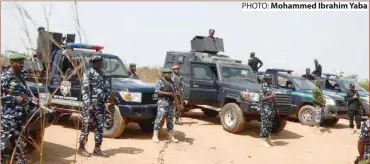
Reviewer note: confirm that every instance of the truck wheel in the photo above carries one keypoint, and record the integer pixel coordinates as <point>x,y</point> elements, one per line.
<point>232,118</point>
<point>210,113</point>
<point>114,124</point>
<point>331,122</point>
<point>306,115</point>
<point>36,136</point>
<point>279,125</point>
<point>148,125</point>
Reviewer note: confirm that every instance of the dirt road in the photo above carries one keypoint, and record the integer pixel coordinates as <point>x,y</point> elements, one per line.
<point>204,141</point>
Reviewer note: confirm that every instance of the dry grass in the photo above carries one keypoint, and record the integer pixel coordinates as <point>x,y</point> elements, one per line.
<point>149,74</point>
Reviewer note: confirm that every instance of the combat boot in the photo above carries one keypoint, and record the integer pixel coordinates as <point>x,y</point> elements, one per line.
<point>98,152</point>
<point>265,143</point>
<point>82,151</point>
<point>270,142</point>
<point>171,137</point>
<point>155,136</point>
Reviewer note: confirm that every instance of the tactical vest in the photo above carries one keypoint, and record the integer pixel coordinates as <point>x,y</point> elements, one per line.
<point>168,86</point>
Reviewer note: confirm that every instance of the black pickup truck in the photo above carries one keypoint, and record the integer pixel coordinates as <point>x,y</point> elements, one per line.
<point>218,84</point>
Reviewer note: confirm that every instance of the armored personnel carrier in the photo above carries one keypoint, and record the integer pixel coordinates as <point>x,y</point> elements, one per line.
<point>218,84</point>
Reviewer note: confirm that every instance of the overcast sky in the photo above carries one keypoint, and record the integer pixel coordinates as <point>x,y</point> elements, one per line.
<point>142,32</point>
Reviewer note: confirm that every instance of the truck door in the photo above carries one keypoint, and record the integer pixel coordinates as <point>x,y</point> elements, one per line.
<point>67,90</point>
<point>203,89</point>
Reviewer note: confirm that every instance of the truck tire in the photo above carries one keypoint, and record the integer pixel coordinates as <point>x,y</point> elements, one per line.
<point>210,113</point>
<point>148,125</point>
<point>114,125</point>
<point>331,122</point>
<point>279,125</point>
<point>36,136</point>
<point>232,118</point>
<point>306,115</point>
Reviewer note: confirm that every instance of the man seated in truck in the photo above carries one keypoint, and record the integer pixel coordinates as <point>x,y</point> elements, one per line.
<point>132,72</point>
<point>308,75</point>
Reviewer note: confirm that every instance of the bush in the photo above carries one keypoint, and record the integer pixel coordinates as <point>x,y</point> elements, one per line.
<point>365,84</point>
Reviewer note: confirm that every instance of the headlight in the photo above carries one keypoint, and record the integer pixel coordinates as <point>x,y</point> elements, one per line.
<point>131,96</point>
<point>43,97</point>
<point>329,101</point>
<point>250,96</point>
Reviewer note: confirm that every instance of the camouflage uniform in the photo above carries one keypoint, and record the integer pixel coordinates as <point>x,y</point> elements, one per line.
<point>13,114</point>
<point>267,112</point>
<point>318,102</point>
<point>364,136</point>
<point>165,107</point>
<point>94,93</point>
<point>179,87</point>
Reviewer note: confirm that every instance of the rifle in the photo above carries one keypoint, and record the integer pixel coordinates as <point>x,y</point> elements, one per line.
<point>176,98</point>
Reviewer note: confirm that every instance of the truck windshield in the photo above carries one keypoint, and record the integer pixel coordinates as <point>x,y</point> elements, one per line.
<point>345,84</point>
<point>233,74</point>
<point>114,67</point>
<point>303,83</point>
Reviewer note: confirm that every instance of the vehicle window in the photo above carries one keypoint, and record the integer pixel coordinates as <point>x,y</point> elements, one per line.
<point>238,74</point>
<point>304,83</point>
<point>201,72</point>
<point>114,67</point>
<point>283,82</point>
<point>346,83</point>
<point>330,84</point>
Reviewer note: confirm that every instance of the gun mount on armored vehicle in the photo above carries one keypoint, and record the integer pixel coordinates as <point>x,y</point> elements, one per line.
<point>220,85</point>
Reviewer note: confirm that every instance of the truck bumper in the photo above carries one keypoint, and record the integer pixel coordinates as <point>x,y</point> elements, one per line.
<point>333,111</point>
<point>254,108</point>
<point>141,112</point>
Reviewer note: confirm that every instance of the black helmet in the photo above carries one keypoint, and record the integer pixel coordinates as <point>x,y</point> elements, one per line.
<point>267,76</point>
<point>351,85</point>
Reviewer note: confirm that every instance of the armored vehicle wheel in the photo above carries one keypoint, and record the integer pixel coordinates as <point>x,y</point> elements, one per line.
<point>114,124</point>
<point>232,118</point>
<point>279,125</point>
<point>36,137</point>
<point>306,115</point>
<point>210,113</point>
<point>331,122</point>
<point>148,125</point>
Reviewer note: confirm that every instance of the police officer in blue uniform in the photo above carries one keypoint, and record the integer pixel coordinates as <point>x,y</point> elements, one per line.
<point>94,95</point>
<point>15,107</point>
<point>267,102</point>
<point>165,90</point>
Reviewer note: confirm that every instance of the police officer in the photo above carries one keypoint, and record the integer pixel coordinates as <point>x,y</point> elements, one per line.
<point>179,86</point>
<point>318,103</point>
<point>94,95</point>
<point>353,108</point>
<point>308,75</point>
<point>364,142</point>
<point>253,63</point>
<point>165,90</point>
<point>15,108</point>
<point>132,72</point>
<point>267,102</point>
<point>318,69</point>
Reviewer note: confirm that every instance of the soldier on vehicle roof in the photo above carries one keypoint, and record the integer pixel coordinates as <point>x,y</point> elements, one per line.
<point>354,112</point>
<point>165,90</point>
<point>15,96</point>
<point>211,32</point>
<point>132,72</point>
<point>308,75</point>
<point>94,95</point>
<point>267,111</point>
<point>179,86</point>
<point>253,63</point>
<point>318,69</point>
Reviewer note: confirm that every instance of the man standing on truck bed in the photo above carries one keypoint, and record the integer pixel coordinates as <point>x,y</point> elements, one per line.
<point>94,95</point>
<point>318,69</point>
<point>308,75</point>
<point>253,63</point>
<point>179,87</point>
<point>318,104</point>
<point>15,108</point>
<point>132,72</point>
<point>353,108</point>
<point>267,99</point>
<point>165,90</point>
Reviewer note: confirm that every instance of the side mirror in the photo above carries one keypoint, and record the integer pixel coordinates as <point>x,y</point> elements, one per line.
<point>291,86</point>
